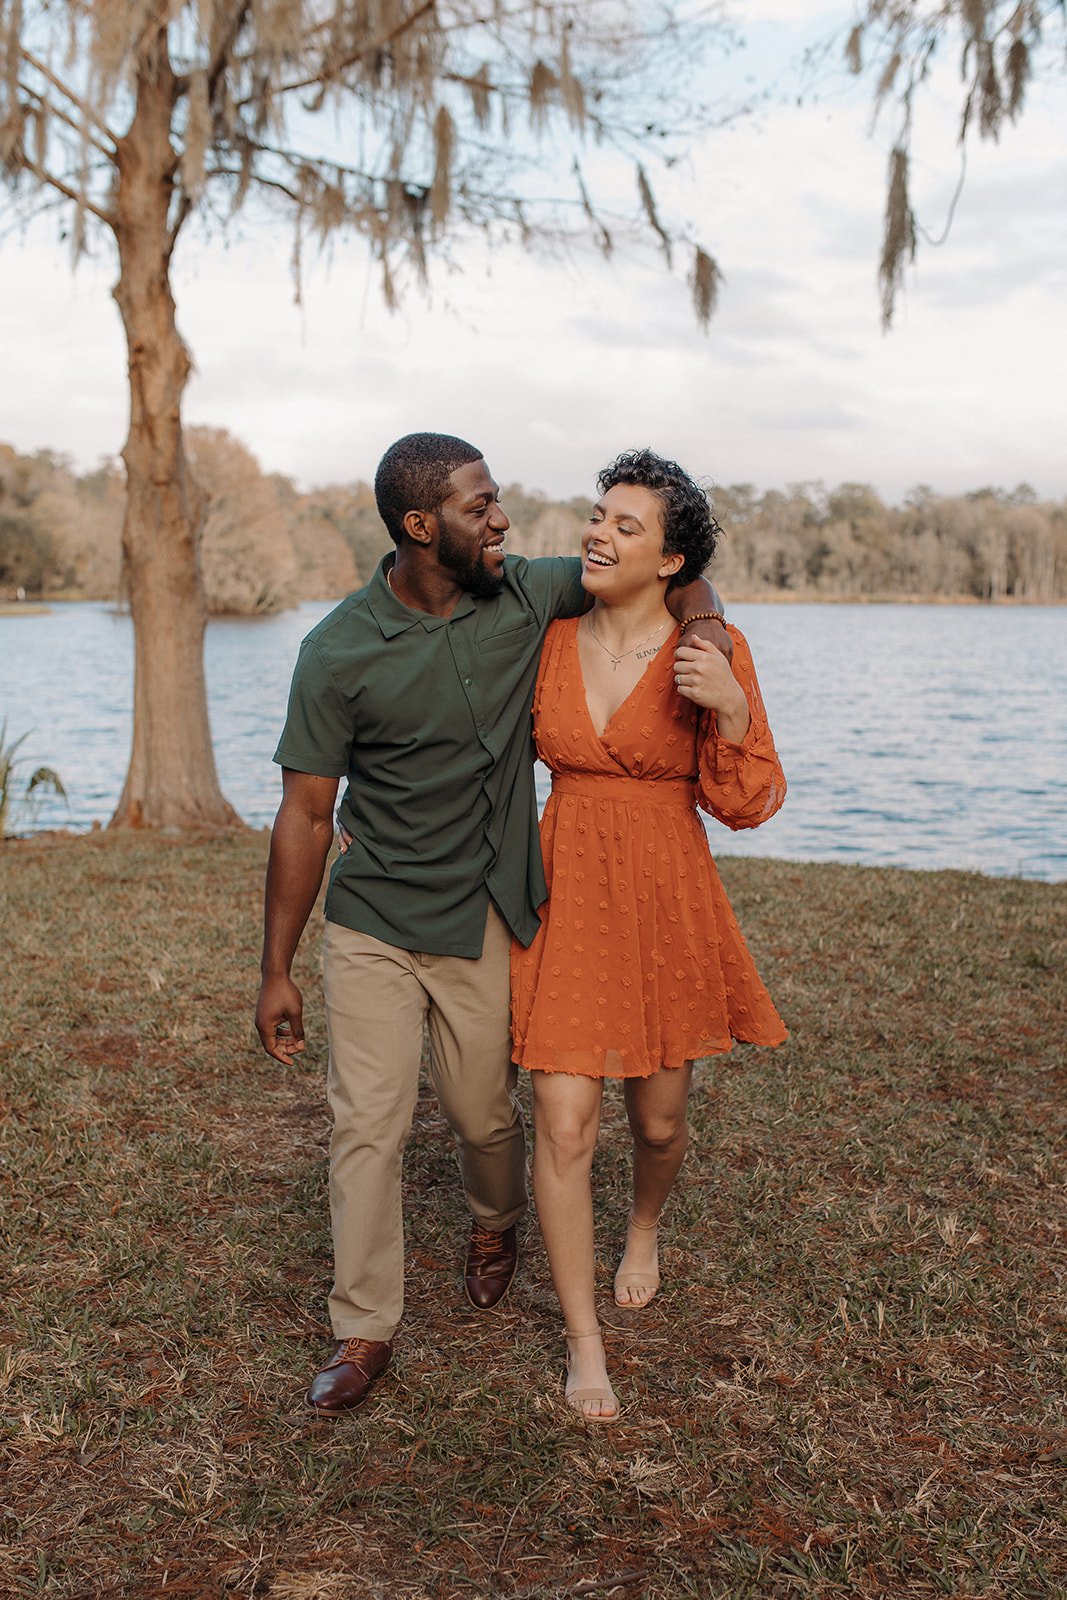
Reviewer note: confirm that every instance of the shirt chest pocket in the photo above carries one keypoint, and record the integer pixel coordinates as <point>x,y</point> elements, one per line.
<point>511,643</point>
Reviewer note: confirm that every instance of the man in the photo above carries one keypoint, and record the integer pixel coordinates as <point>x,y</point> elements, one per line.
<point>417,690</point>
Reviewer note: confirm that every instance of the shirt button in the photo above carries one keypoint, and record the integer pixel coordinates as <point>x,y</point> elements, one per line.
<point>468,681</point>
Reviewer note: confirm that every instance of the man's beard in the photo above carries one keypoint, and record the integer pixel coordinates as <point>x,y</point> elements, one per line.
<point>469,571</point>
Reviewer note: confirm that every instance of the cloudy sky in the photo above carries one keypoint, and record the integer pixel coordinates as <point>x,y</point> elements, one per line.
<point>552,366</point>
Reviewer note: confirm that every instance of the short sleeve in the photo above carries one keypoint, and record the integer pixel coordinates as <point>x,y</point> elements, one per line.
<point>318,728</point>
<point>554,583</point>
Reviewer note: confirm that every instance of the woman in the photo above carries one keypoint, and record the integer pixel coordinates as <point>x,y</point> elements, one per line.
<point>639,967</point>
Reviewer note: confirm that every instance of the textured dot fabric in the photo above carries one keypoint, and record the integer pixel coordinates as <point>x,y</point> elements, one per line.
<point>639,962</point>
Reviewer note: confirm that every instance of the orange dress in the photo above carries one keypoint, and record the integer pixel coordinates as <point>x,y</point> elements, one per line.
<point>639,963</point>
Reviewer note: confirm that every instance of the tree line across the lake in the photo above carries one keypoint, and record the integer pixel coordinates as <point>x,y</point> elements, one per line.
<point>266,545</point>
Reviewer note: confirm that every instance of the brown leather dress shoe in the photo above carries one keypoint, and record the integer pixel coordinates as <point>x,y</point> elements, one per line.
<point>349,1373</point>
<point>491,1262</point>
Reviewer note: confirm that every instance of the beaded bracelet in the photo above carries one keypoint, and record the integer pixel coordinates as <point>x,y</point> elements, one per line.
<point>705,616</point>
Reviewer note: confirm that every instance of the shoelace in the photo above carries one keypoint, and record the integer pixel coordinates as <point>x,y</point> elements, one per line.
<point>350,1352</point>
<point>487,1241</point>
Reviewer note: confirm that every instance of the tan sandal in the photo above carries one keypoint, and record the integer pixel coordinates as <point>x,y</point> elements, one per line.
<point>576,1398</point>
<point>637,1280</point>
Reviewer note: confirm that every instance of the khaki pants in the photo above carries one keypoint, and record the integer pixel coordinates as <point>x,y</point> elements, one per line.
<point>377,1000</point>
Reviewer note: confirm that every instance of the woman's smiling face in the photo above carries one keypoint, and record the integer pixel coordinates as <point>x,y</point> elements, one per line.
<point>622,546</point>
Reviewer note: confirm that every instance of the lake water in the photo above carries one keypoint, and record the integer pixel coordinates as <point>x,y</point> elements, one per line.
<point>912,736</point>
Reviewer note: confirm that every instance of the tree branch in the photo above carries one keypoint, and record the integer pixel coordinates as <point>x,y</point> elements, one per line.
<point>64,116</point>
<point>226,44</point>
<point>331,70</point>
<point>29,214</point>
<point>86,110</point>
<point>256,178</point>
<point>217,66</point>
<point>317,164</point>
<point>481,207</point>
<point>44,176</point>
<point>185,205</point>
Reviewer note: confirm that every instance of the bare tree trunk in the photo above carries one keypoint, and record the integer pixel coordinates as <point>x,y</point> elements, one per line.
<point>171,780</point>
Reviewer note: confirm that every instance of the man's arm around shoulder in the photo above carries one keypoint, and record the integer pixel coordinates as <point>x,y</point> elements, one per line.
<point>699,609</point>
<point>299,844</point>
<point>697,606</point>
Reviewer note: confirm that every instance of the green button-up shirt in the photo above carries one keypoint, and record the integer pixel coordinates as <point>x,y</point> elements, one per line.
<point>428,718</point>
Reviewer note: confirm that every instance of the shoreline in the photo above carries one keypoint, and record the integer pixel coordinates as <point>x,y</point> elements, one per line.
<point>100,834</point>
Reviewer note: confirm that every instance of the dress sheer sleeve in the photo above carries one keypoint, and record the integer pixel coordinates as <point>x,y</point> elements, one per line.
<point>740,784</point>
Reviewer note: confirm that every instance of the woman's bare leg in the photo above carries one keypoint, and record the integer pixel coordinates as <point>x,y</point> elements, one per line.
<point>566,1123</point>
<point>656,1108</point>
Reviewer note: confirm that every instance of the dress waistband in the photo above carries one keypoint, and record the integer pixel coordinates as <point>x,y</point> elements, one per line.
<point>634,791</point>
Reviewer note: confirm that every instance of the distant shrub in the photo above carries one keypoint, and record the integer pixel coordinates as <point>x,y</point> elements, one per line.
<point>27,554</point>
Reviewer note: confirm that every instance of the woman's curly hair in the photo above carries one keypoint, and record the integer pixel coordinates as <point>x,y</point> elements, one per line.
<point>689,526</point>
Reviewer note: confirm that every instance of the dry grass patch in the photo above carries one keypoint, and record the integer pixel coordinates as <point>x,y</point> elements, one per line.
<point>848,1386</point>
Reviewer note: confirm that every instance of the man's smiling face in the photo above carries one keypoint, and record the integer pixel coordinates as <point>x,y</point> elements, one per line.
<point>471,528</point>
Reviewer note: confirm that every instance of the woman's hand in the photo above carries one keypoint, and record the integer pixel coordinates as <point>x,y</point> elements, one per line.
<point>702,674</point>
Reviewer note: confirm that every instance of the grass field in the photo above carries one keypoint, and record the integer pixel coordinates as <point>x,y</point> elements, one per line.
<point>848,1385</point>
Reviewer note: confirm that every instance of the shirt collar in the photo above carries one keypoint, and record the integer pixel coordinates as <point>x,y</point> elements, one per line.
<point>393,616</point>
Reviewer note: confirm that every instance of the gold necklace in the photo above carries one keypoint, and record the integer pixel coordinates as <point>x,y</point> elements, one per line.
<point>615,659</point>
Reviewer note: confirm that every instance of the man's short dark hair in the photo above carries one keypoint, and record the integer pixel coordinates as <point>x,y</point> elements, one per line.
<point>689,527</point>
<point>414,475</point>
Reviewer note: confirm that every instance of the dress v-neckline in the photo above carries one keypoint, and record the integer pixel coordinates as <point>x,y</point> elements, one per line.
<point>621,707</point>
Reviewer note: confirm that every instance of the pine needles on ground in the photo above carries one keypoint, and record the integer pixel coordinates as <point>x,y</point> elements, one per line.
<point>847,1386</point>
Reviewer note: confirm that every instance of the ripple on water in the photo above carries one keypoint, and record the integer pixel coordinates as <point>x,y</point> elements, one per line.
<point>900,746</point>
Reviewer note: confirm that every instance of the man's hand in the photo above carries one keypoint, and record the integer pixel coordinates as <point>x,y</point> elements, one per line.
<point>703,675</point>
<point>280,1019</point>
<point>299,845</point>
<point>710,633</point>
